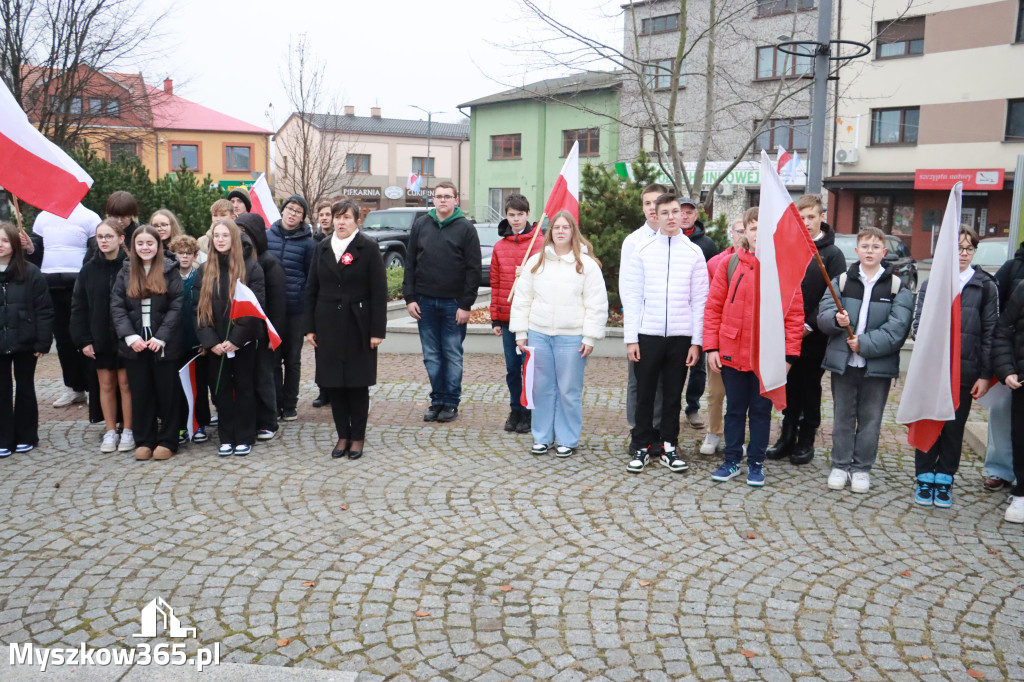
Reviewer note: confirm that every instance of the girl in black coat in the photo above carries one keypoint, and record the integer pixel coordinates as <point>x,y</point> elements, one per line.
<point>145,306</point>
<point>231,355</point>
<point>26,331</point>
<point>92,330</point>
<point>346,319</point>
<point>1008,359</point>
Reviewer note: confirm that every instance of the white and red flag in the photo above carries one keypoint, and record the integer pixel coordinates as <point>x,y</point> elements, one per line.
<point>34,169</point>
<point>245,304</point>
<point>187,375</point>
<point>931,393</point>
<point>784,248</point>
<point>565,195</point>
<point>263,201</point>
<point>526,398</point>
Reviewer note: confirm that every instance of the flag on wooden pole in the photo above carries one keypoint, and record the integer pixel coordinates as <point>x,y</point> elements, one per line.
<point>187,375</point>
<point>263,201</point>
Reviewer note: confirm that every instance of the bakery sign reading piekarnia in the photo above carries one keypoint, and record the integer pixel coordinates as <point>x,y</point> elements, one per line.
<point>364,192</point>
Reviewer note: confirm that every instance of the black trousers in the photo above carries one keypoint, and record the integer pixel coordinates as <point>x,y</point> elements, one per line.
<point>662,359</point>
<point>73,365</point>
<point>288,363</point>
<point>944,457</point>
<point>155,390</point>
<point>350,407</point>
<point>266,389</point>
<point>234,397</point>
<point>1017,438</point>
<point>803,385</point>
<point>19,418</point>
<point>202,404</point>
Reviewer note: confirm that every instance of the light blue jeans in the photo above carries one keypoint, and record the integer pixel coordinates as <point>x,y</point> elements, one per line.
<point>999,455</point>
<point>557,388</point>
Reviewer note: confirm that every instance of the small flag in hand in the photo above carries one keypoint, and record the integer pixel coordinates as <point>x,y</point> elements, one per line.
<point>526,398</point>
<point>187,375</point>
<point>245,304</point>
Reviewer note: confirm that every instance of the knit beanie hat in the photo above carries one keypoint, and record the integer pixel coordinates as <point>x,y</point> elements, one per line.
<point>243,194</point>
<point>301,202</point>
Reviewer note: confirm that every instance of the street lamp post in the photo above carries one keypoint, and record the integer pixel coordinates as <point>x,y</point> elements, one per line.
<point>423,170</point>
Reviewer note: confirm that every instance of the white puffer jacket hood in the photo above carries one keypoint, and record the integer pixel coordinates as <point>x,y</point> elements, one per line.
<point>665,289</point>
<point>558,301</point>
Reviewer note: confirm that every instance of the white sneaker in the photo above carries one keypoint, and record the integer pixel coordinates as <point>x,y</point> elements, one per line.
<point>1015,512</point>
<point>837,479</point>
<point>127,441</point>
<point>110,439</point>
<point>861,482</point>
<point>710,444</point>
<point>70,397</point>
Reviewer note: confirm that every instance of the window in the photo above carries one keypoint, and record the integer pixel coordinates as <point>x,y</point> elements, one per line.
<point>589,138</point>
<point>900,38</point>
<point>767,8</point>
<point>791,133</point>
<point>76,105</point>
<point>187,154</point>
<point>1015,120</point>
<point>506,146</point>
<point>773,63</point>
<point>424,166</point>
<point>496,197</point>
<point>237,158</point>
<point>113,108</point>
<point>95,106</point>
<point>895,126</point>
<point>357,163</point>
<point>123,150</point>
<point>669,22</point>
<point>658,74</point>
<point>891,213</point>
<point>1020,22</point>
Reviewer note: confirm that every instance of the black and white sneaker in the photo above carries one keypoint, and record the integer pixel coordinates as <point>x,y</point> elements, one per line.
<point>638,460</point>
<point>264,435</point>
<point>540,449</point>
<point>669,460</point>
<point>563,451</point>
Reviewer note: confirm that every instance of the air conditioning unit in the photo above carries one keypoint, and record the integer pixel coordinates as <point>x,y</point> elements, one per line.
<point>724,190</point>
<point>846,156</point>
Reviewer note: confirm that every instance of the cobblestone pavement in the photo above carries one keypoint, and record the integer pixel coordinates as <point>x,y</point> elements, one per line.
<point>449,552</point>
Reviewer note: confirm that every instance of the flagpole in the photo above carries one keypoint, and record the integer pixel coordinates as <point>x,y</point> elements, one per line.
<point>526,256</point>
<point>216,387</point>
<point>832,289</point>
<point>17,212</point>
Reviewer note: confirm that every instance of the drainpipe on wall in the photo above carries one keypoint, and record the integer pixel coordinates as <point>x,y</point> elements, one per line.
<point>156,153</point>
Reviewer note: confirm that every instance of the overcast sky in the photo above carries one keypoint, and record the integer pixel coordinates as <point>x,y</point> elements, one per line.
<point>389,53</point>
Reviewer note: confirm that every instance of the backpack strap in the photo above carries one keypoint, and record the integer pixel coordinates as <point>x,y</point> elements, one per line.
<point>734,261</point>
<point>895,283</point>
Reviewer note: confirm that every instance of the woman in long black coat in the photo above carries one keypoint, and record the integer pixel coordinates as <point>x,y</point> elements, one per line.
<point>346,319</point>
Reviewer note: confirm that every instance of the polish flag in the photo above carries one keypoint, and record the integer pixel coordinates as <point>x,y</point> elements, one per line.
<point>263,201</point>
<point>565,195</point>
<point>931,393</point>
<point>245,304</point>
<point>34,169</point>
<point>784,248</point>
<point>187,375</point>
<point>413,183</point>
<point>784,158</point>
<point>526,398</point>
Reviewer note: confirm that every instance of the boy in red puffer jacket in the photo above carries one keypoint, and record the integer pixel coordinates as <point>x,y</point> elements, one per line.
<point>516,233</point>
<point>729,344</point>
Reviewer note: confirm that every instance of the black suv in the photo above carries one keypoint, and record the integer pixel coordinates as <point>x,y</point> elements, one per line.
<point>390,228</point>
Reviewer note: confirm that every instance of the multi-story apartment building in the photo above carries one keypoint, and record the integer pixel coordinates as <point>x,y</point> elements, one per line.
<point>941,99</point>
<point>370,157</point>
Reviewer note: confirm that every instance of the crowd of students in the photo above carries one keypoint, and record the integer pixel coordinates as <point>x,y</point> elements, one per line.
<point>129,304</point>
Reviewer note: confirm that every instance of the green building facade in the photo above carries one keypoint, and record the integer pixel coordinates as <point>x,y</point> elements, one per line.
<point>519,138</point>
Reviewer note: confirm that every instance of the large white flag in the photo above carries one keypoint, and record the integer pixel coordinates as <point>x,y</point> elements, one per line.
<point>263,201</point>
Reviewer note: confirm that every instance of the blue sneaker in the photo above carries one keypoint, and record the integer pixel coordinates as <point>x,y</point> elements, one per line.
<point>727,471</point>
<point>755,474</point>
<point>943,491</point>
<point>200,435</point>
<point>925,492</point>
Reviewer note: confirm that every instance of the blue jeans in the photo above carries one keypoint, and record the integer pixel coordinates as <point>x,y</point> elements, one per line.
<point>557,389</point>
<point>441,340</point>
<point>513,370</point>
<point>859,401</point>
<point>743,395</point>
<point>999,454</point>
<point>695,384</point>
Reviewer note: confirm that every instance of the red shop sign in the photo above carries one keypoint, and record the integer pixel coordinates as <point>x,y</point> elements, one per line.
<point>973,178</point>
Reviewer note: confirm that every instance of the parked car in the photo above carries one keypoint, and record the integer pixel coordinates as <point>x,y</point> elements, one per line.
<point>992,253</point>
<point>488,233</point>
<point>896,253</point>
<point>390,228</point>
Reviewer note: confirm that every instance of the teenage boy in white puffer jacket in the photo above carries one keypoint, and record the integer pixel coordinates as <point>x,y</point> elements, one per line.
<point>663,297</point>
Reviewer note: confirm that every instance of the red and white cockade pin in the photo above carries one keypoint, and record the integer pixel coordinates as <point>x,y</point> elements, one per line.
<point>347,259</point>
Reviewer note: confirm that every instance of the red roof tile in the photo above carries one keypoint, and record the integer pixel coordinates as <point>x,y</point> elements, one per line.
<point>171,112</point>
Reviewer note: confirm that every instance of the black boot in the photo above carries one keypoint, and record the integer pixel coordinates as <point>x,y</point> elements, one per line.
<point>783,447</point>
<point>804,450</point>
<point>525,422</point>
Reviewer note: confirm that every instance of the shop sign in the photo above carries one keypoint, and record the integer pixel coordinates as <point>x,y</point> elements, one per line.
<point>393,192</point>
<point>228,185</point>
<point>362,192</point>
<point>973,178</point>
<point>424,192</point>
<point>746,173</point>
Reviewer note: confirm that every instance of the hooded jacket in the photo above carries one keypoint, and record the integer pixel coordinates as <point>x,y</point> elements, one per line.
<point>698,235</point>
<point>665,289</point>
<point>91,321</point>
<point>1008,346</point>
<point>558,301</point>
<point>443,259</point>
<point>165,311</point>
<point>273,274</point>
<point>888,323</point>
<point>26,312</point>
<point>814,285</point>
<point>294,250</point>
<point>979,314</point>
<point>506,256</point>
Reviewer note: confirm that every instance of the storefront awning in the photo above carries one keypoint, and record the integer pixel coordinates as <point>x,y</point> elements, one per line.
<point>882,181</point>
